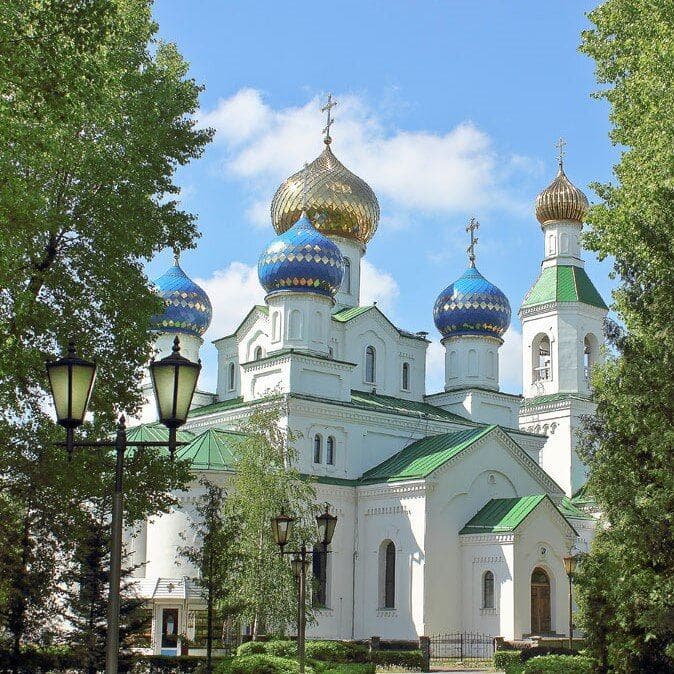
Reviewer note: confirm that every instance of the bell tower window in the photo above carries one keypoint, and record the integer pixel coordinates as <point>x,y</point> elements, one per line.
<point>346,282</point>
<point>542,359</point>
<point>370,364</point>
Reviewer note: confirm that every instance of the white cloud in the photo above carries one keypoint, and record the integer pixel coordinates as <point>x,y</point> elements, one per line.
<point>510,361</point>
<point>377,286</point>
<point>456,171</point>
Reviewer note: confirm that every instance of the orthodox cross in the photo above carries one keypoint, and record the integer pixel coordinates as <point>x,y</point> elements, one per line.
<point>560,144</point>
<point>472,226</point>
<point>329,105</point>
<point>305,174</point>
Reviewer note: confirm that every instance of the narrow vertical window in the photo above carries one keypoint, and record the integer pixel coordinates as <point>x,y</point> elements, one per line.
<point>406,376</point>
<point>318,447</point>
<point>319,564</point>
<point>346,282</point>
<point>295,324</point>
<point>370,364</point>
<point>232,376</point>
<point>488,590</point>
<point>258,353</point>
<point>389,575</point>
<point>330,451</point>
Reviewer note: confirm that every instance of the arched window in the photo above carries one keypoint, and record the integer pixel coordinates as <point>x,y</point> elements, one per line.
<point>346,281</point>
<point>472,363</point>
<point>232,376</point>
<point>491,364</point>
<point>295,324</point>
<point>275,326</point>
<point>319,584</point>
<point>589,355</point>
<point>330,451</point>
<point>406,377</point>
<point>318,326</point>
<point>542,359</point>
<point>488,590</point>
<point>453,364</point>
<point>370,364</point>
<point>387,574</point>
<point>318,447</point>
<point>258,353</point>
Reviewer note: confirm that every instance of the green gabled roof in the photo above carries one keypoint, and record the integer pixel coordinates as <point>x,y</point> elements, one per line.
<point>212,450</point>
<point>553,398</point>
<point>422,457</point>
<point>155,432</point>
<point>502,515</point>
<point>568,509</point>
<point>216,407</point>
<point>389,404</point>
<point>344,315</point>
<point>563,283</point>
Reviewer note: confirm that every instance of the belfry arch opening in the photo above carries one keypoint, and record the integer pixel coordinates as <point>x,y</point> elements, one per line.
<point>590,352</point>
<point>541,358</point>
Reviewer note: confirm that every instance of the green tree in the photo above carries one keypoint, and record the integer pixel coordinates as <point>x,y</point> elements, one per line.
<point>216,555</point>
<point>96,116</point>
<point>629,445</point>
<point>264,485</point>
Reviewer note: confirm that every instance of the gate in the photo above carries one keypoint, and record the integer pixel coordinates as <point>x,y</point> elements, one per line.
<point>461,646</point>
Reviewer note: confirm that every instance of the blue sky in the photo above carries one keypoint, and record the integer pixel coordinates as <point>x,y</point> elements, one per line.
<point>448,109</point>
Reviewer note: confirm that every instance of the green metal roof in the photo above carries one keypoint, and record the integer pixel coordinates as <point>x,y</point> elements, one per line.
<point>382,403</point>
<point>216,407</point>
<point>502,515</point>
<point>553,398</point>
<point>155,432</point>
<point>212,450</point>
<point>563,283</point>
<point>344,315</point>
<point>568,509</point>
<point>422,457</point>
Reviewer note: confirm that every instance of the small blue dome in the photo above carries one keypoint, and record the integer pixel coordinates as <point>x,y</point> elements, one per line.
<point>188,308</point>
<point>472,306</point>
<point>301,260</point>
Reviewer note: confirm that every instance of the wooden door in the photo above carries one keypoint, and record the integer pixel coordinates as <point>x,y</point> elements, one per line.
<point>540,603</point>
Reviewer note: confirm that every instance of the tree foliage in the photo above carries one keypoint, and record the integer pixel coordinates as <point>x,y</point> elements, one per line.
<point>265,485</point>
<point>628,587</point>
<point>96,115</point>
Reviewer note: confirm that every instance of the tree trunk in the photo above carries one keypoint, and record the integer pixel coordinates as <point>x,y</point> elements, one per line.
<point>17,611</point>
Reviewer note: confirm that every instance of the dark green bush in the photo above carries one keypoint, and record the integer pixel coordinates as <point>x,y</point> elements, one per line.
<point>282,648</point>
<point>251,648</point>
<point>505,659</point>
<point>336,651</point>
<point>33,659</point>
<point>352,668</point>
<point>559,664</point>
<point>168,664</point>
<point>535,651</point>
<point>406,659</point>
<point>261,664</point>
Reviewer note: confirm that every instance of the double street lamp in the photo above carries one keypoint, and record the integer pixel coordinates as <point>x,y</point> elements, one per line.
<point>71,379</point>
<point>282,527</point>
<point>570,563</point>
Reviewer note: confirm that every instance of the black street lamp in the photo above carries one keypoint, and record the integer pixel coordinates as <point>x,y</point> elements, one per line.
<point>71,380</point>
<point>281,527</point>
<point>570,563</point>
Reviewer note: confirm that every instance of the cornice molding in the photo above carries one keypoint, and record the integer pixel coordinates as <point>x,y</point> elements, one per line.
<point>487,539</point>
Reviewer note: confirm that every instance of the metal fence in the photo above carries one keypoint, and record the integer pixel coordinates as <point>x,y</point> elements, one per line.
<point>461,646</point>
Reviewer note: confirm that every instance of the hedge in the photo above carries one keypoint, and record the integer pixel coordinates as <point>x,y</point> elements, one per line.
<point>251,648</point>
<point>261,664</point>
<point>559,664</point>
<point>535,651</point>
<point>506,659</point>
<point>352,668</point>
<point>406,659</point>
<point>169,664</point>
<point>336,651</point>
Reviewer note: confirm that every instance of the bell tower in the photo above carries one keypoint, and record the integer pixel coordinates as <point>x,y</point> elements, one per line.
<point>562,319</point>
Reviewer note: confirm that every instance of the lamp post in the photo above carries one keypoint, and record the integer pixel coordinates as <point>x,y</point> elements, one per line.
<point>71,380</point>
<point>570,563</point>
<point>282,527</point>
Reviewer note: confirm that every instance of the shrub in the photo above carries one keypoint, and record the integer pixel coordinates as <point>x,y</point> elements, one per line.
<point>406,659</point>
<point>165,664</point>
<point>336,651</point>
<point>352,668</point>
<point>251,648</point>
<point>262,664</point>
<point>559,664</point>
<point>535,651</point>
<point>282,648</point>
<point>506,659</point>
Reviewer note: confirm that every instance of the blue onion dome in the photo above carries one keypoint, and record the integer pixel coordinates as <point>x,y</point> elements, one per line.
<point>187,307</point>
<point>472,306</point>
<point>301,260</point>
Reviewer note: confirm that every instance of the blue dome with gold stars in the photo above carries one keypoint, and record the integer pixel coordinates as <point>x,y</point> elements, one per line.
<point>472,306</point>
<point>186,305</point>
<point>301,260</point>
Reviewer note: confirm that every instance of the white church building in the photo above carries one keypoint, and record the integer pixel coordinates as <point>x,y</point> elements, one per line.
<point>455,508</point>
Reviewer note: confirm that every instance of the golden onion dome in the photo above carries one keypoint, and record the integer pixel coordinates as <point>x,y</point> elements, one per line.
<point>338,202</point>
<point>561,200</point>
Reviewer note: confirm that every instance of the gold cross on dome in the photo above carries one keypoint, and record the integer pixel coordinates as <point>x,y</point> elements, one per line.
<point>560,145</point>
<point>329,105</point>
<point>471,227</point>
